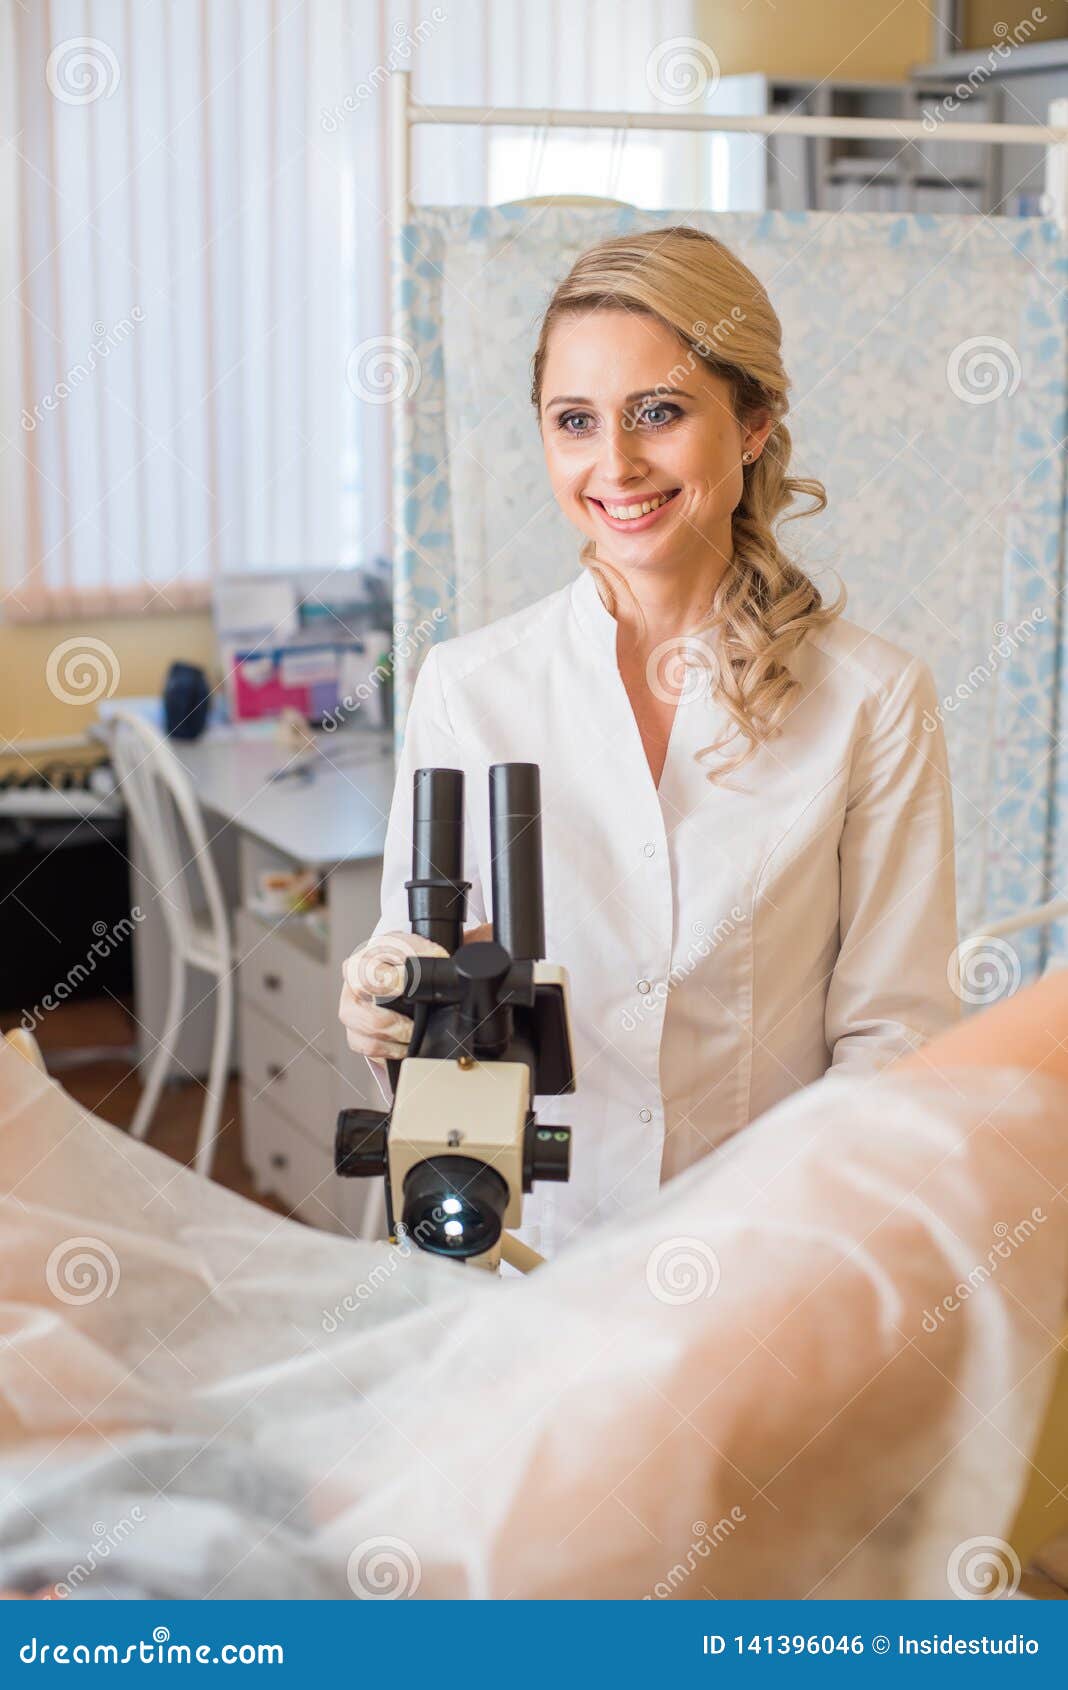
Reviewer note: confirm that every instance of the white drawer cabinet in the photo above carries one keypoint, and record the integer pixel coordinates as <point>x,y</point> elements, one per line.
<point>289,1166</point>
<point>286,981</point>
<point>280,1068</point>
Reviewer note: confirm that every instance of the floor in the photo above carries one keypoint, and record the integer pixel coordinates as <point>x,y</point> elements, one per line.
<point>110,1089</point>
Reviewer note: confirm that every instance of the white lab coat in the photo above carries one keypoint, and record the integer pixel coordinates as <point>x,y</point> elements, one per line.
<point>725,944</point>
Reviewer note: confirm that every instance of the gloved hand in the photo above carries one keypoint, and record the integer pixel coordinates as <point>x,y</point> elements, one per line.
<point>376,969</point>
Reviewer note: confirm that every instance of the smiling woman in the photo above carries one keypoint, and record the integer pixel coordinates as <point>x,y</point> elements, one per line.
<point>697,458</point>
<point>747,831</point>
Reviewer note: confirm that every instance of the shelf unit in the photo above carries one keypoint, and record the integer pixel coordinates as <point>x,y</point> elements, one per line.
<point>795,172</point>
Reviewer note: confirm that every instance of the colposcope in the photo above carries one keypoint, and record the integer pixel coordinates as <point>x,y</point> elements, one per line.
<point>491,1030</point>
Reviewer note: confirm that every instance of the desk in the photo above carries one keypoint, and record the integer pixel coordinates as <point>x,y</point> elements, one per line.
<point>297,1071</point>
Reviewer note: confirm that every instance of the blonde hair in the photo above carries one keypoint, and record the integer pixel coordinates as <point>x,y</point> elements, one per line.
<point>765,604</point>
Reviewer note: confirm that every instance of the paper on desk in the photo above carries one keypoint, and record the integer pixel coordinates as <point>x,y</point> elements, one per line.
<point>262,607</point>
<point>756,1387</point>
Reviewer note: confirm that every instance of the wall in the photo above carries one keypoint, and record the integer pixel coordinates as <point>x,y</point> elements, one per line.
<point>985,21</point>
<point>143,648</point>
<point>810,38</point>
<point>860,39</point>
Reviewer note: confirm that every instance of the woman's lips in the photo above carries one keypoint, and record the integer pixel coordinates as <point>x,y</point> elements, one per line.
<point>633,524</point>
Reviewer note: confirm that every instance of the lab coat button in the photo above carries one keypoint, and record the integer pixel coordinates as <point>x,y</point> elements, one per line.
<point>644,987</point>
<point>649,849</point>
<point>645,1114</point>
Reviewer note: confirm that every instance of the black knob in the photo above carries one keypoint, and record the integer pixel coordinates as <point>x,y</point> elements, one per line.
<point>361,1143</point>
<point>548,1152</point>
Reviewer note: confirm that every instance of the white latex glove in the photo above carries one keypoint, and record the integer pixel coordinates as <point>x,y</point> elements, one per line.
<point>376,969</point>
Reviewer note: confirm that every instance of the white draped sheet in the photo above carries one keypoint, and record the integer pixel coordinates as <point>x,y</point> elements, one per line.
<point>755,1388</point>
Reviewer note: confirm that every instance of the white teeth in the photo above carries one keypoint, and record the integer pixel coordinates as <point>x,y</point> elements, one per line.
<point>627,513</point>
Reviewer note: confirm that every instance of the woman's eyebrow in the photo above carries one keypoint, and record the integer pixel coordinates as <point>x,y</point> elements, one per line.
<point>655,391</point>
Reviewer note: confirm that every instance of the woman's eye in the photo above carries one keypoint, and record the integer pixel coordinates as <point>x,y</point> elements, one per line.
<point>666,414</point>
<point>653,417</point>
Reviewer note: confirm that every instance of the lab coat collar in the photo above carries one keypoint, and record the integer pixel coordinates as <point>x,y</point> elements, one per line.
<point>599,626</point>
<point>596,621</point>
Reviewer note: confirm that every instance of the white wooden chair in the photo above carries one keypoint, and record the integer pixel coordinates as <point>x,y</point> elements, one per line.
<point>167,817</point>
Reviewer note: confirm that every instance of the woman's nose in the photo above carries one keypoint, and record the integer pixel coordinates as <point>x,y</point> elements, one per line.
<point>621,454</point>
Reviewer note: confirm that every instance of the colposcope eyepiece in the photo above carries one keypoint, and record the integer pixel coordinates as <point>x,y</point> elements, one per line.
<point>454,1206</point>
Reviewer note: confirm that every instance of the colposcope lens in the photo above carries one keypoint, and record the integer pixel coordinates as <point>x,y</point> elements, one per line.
<point>454,1206</point>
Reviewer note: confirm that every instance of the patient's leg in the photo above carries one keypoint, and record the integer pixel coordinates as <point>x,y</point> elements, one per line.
<point>1029,1030</point>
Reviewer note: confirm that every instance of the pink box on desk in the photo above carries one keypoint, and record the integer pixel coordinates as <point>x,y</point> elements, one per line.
<point>287,678</point>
